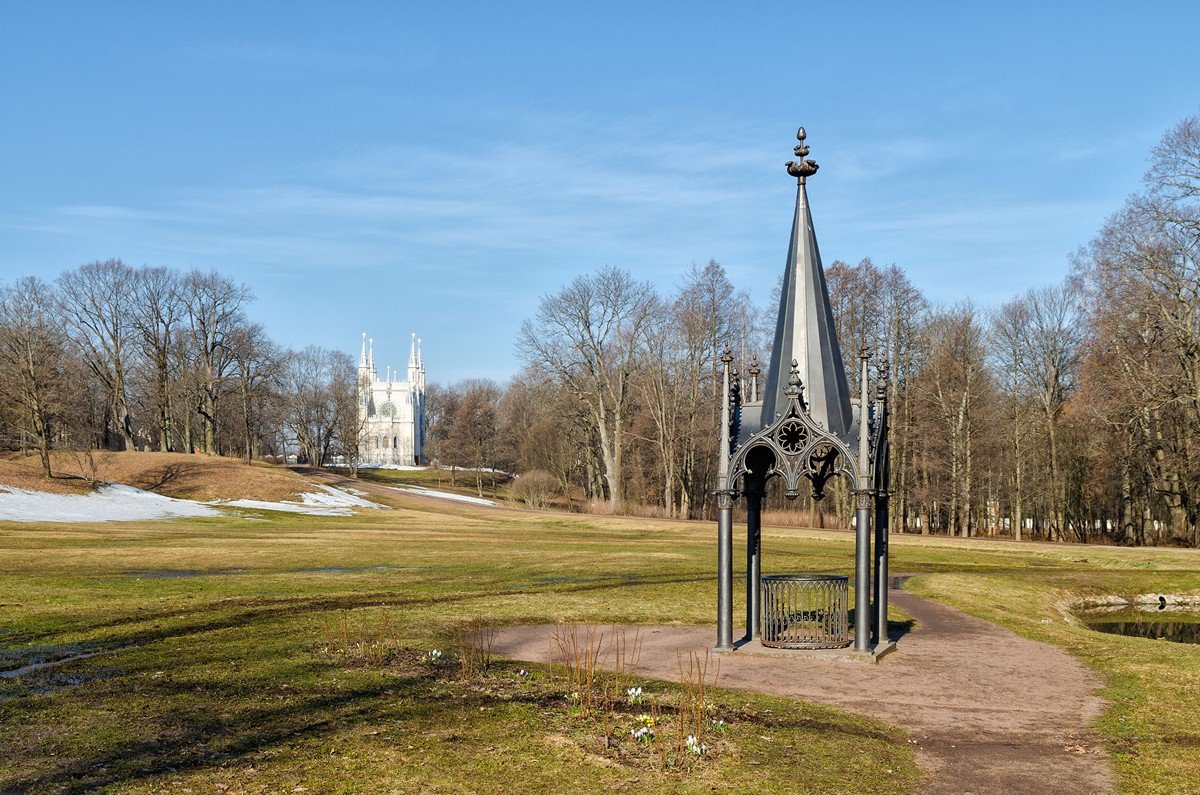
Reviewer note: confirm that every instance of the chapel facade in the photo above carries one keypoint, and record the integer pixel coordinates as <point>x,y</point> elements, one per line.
<point>391,412</point>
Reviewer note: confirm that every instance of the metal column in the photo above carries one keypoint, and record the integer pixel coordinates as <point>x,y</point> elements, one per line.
<point>725,574</point>
<point>754,492</point>
<point>862,517</point>
<point>862,572</point>
<point>724,519</point>
<point>881,567</point>
<point>882,488</point>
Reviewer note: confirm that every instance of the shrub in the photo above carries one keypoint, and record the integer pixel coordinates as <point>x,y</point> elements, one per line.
<point>536,488</point>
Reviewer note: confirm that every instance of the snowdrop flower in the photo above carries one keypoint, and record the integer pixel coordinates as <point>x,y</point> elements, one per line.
<point>634,694</point>
<point>522,673</point>
<point>434,655</point>
<point>694,746</point>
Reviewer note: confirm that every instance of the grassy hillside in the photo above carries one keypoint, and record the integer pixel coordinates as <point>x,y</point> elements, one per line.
<point>193,477</point>
<point>288,652</point>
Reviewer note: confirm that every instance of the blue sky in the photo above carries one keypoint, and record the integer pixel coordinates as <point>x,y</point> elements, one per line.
<point>436,167</point>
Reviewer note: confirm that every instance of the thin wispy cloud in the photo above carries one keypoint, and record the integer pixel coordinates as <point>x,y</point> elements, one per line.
<point>517,217</point>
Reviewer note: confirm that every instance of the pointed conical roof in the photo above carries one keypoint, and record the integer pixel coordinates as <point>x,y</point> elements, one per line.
<point>804,330</point>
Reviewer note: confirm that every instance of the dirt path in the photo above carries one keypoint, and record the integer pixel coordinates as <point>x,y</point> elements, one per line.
<point>989,711</point>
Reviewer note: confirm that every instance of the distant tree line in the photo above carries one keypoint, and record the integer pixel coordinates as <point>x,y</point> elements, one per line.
<point>1071,412</point>
<point>110,356</point>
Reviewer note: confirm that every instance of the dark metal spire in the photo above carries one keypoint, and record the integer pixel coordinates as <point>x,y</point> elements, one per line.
<point>805,331</point>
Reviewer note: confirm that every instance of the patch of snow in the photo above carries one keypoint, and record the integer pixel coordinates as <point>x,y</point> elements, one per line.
<point>286,507</point>
<point>335,497</point>
<point>112,503</point>
<point>396,467</point>
<point>329,501</point>
<point>444,495</point>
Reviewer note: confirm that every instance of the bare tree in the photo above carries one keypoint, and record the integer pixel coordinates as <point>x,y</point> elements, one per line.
<point>587,335</point>
<point>156,313</point>
<point>214,310</point>
<point>33,353</point>
<point>440,404</point>
<point>96,302</point>
<point>258,363</point>
<point>474,438</point>
<point>1009,348</point>
<point>879,308</point>
<point>665,382</point>
<point>318,385</point>
<point>548,429</point>
<point>1050,366</point>
<point>954,383</point>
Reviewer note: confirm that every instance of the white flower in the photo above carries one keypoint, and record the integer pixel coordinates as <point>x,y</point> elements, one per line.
<point>433,655</point>
<point>695,746</point>
<point>634,694</point>
<point>642,734</point>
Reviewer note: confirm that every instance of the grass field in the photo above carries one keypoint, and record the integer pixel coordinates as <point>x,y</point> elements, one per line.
<point>289,653</point>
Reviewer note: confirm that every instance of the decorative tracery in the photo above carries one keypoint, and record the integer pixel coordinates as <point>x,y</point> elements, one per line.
<point>795,448</point>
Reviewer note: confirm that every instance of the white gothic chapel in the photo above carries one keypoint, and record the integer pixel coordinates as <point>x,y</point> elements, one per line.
<point>391,413</point>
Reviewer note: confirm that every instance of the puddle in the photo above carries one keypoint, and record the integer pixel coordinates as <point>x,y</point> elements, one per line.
<point>175,574</point>
<point>1152,619</point>
<point>553,579</point>
<point>1179,631</point>
<point>38,670</point>
<point>34,667</point>
<point>352,569</point>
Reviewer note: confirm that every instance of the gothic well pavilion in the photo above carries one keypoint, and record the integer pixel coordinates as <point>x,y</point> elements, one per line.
<point>803,428</point>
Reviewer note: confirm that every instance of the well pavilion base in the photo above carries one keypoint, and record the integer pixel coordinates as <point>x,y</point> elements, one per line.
<point>754,648</point>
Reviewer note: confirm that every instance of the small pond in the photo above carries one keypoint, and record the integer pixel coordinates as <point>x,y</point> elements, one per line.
<point>1145,621</point>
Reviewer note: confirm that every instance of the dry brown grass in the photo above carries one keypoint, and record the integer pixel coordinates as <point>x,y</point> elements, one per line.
<point>25,472</point>
<point>193,477</point>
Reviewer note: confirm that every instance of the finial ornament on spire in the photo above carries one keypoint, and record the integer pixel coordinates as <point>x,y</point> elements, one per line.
<point>793,387</point>
<point>801,169</point>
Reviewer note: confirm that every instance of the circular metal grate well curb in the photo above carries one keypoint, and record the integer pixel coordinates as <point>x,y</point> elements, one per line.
<point>805,611</point>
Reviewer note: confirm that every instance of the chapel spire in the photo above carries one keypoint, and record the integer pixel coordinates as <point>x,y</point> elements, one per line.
<point>804,330</point>
<point>362,357</point>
